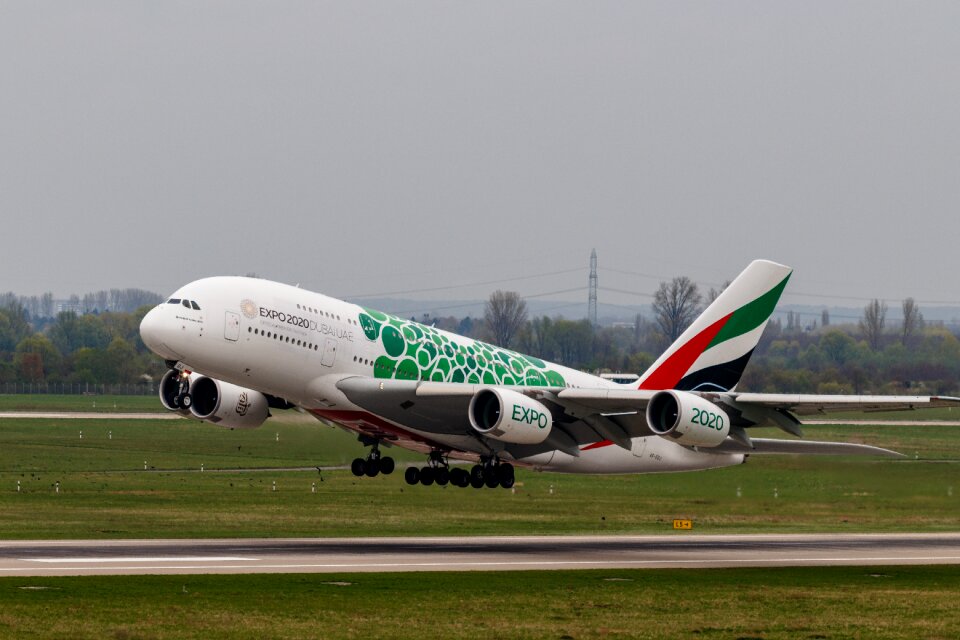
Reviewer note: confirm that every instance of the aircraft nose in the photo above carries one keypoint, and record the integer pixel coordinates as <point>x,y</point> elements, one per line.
<point>150,329</point>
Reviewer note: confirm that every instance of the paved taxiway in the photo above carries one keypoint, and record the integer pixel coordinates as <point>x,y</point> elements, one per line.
<point>328,555</point>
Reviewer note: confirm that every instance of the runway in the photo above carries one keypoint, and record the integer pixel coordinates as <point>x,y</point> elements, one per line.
<point>350,555</point>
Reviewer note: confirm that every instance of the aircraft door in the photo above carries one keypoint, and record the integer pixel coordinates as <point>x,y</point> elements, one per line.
<point>329,352</point>
<point>231,327</point>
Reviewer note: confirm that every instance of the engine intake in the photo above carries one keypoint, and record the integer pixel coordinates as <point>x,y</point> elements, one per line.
<point>687,418</point>
<point>509,416</point>
<point>227,405</point>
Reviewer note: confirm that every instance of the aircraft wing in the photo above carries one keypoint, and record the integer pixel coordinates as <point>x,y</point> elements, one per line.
<point>586,416</point>
<point>801,404</point>
<point>442,409</point>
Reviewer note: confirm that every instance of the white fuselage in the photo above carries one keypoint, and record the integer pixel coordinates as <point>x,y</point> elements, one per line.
<point>296,345</point>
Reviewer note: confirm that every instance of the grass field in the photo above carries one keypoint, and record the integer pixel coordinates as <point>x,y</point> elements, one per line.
<point>821,603</point>
<point>98,404</point>
<point>105,492</point>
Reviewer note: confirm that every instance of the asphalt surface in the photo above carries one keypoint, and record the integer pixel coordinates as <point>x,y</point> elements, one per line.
<point>319,555</point>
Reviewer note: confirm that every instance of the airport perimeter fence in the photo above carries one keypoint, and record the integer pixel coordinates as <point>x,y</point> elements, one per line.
<point>78,389</point>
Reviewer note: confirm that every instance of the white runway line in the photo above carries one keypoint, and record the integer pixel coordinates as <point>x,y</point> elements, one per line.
<point>142,559</point>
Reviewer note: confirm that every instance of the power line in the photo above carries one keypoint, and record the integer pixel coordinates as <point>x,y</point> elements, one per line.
<point>464,285</point>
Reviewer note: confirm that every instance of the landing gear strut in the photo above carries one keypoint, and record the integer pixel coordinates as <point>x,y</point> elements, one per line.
<point>183,399</point>
<point>374,464</point>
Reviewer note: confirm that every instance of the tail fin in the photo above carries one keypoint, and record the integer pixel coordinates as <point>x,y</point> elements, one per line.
<point>713,352</point>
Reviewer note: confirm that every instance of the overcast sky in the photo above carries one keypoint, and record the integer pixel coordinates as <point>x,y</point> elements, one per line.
<point>384,147</point>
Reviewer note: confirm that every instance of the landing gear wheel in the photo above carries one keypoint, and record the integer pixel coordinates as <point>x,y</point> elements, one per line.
<point>357,467</point>
<point>507,483</point>
<point>476,474</point>
<point>426,476</point>
<point>412,475</point>
<point>476,482</point>
<point>372,467</point>
<point>505,475</point>
<point>186,401</point>
<point>459,477</point>
<point>442,476</point>
<point>387,465</point>
<point>492,481</point>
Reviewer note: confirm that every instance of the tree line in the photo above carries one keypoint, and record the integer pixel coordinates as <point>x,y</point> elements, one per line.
<point>867,356</point>
<point>871,355</point>
<point>94,348</point>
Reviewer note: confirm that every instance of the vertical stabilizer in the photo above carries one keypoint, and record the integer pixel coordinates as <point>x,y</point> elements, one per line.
<point>713,352</point>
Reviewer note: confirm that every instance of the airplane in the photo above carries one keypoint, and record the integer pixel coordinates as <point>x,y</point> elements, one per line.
<point>238,347</point>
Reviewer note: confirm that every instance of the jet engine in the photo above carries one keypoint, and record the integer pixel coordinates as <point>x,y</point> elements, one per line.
<point>509,416</point>
<point>687,418</point>
<point>227,405</point>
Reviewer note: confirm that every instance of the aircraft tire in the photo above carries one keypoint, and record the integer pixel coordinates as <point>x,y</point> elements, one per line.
<point>426,476</point>
<point>492,481</point>
<point>476,473</point>
<point>412,475</point>
<point>387,465</point>
<point>442,476</point>
<point>476,482</point>
<point>357,467</point>
<point>507,483</point>
<point>505,472</point>
<point>186,401</point>
<point>459,477</point>
<point>371,467</point>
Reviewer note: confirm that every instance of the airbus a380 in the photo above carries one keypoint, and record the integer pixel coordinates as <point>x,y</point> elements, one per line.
<point>237,347</point>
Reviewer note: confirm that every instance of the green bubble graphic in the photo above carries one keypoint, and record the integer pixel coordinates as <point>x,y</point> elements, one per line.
<point>408,370</point>
<point>371,328</point>
<point>423,358</point>
<point>383,367</point>
<point>382,317</point>
<point>426,353</point>
<point>393,341</point>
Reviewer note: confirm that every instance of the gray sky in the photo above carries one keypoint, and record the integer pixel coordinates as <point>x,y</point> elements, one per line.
<point>393,146</point>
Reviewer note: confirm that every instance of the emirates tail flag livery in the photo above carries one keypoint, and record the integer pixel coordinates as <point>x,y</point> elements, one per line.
<point>239,346</point>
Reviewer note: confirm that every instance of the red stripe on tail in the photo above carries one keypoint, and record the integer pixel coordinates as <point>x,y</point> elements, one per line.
<point>676,366</point>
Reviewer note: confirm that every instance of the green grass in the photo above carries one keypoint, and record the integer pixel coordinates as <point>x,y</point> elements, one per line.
<point>95,403</point>
<point>824,602</point>
<point>104,491</point>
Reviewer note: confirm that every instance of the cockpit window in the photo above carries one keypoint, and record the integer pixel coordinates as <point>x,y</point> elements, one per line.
<point>195,305</point>
<point>186,303</point>
<point>173,301</point>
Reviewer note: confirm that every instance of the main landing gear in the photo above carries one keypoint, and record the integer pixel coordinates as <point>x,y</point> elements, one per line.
<point>489,473</point>
<point>374,464</point>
